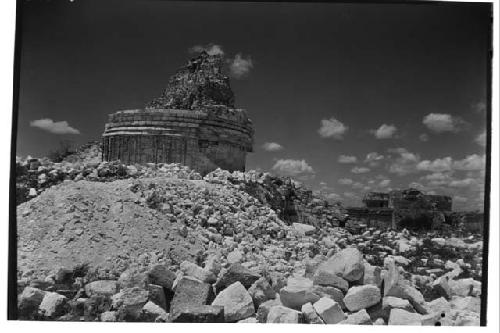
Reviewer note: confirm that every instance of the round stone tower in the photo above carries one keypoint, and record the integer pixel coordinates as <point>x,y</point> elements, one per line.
<point>193,122</point>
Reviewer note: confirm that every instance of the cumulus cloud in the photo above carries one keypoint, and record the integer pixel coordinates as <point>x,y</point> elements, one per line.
<point>358,185</point>
<point>333,197</point>
<point>442,122</point>
<point>481,139</point>
<point>472,162</point>
<point>467,182</point>
<point>332,128</point>
<point>405,161</point>
<point>55,127</point>
<point>291,167</point>
<point>424,137</point>
<point>240,66</point>
<point>347,159</point>
<point>437,165</point>
<point>384,183</point>
<point>385,131</point>
<point>460,199</point>
<point>358,170</point>
<point>373,159</point>
<point>345,181</point>
<point>211,49</point>
<point>272,146</point>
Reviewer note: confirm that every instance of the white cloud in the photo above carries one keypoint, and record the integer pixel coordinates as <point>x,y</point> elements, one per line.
<point>405,163</point>
<point>467,182</point>
<point>424,137</point>
<point>332,128</point>
<point>442,122</point>
<point>481,139</point>
<point>438,165</point>
<point>345,181</point>
<point>373,159</point>
<point>458,198</point>
<point>347,159</point>
<point>384,131</point>
<point>416,185</point>
<point>58,127</point>
<point>239,66</point>
<point>358,185</point>
<point>358,170</point>
<point>384,183</point>
<point>351,195</point>
<point>211,49</point>
<point>470,163</point>
<point>292,167</point>
<point>272,146</point>
<point>333,197</point>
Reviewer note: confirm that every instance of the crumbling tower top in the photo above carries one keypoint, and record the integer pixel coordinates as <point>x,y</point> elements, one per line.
<point>199,84</point>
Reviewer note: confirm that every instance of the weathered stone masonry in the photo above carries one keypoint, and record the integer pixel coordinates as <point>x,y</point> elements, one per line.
<point>189,124</point>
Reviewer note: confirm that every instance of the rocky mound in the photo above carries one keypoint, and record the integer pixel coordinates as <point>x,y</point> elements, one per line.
<point>111,242</point>
<point>199,84</point>
<point>135,221</point>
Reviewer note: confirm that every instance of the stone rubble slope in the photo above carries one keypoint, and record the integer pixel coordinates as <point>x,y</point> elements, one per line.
<point>164,247</point>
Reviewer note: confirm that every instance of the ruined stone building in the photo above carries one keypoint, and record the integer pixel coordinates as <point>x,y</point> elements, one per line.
<point>408,208</point>
<point>194,122</point>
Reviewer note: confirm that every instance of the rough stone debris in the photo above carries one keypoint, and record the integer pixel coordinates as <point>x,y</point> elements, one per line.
<point>297,292</point>
<point>283,315</point>
<point>236,301</point>
<point>329,310</point>
<point>361,297</point>
<point>138,225</point>
<point>402,317</point>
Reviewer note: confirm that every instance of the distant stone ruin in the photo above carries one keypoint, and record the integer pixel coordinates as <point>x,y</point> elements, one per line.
<point>408,208</point>
<point>194,122</point>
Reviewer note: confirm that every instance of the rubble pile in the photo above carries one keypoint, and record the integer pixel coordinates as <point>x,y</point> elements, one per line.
<point>292,201</point>
<point>34,176</point>
<point>162,244</point>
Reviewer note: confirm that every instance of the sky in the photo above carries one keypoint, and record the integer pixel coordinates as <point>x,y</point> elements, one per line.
<point>346,98</point>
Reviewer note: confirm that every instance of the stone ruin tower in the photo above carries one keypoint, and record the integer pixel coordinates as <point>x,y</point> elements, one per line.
<point>194,122</point>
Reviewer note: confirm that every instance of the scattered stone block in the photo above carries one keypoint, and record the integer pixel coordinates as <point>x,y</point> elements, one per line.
<point>347,264</point>
<point>309,314</point>
<point>53,305</point>
<point>263,309</point>
<point>358,318</point>
<point>28,302</point>
<point>162,276</point>
<point>329,310</point>
<point>332,292</point>
<point>361,297</point>
<point>109,316</point>
<point>402,317</point>
<point>282,315</point>
<point>199,314</point>
<point>261,291</point>
<point>327,278</point>
<point>236,301</point>
<point>129,302</point>
<point>190,293</point>
<point>102,287</point>
<point>441,287</point>
<point>95,305</point>
<point>195,271</point>
<point>297,292</point>
<point>236,272</point>
<point>153,313</point>
<point>250,320</point>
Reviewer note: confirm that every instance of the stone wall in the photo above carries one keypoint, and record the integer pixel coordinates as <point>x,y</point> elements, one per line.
<point>202,140</point>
